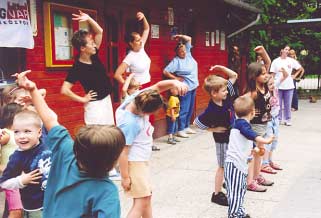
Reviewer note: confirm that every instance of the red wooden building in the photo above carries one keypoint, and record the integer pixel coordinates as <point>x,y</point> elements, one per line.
<point>209,22</point>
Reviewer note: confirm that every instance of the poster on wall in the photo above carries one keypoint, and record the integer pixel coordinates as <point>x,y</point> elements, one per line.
<point>154,31</point>
<point>222,40</point>
<point>212,39</point>
<point>15,27</point>
<point>170,16</point>
<point>207,38</point>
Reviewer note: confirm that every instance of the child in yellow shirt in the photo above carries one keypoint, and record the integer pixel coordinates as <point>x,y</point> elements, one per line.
<point>172,114</point>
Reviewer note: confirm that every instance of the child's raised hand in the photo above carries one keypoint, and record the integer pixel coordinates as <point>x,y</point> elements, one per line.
<point>259,49</point>
<point>23,82</point>
<point>140,16</point>
<point>182,88</point>
<point>215,67</point>
<point>81,16</point>
<point>4,137</point>
<point>31,177</point>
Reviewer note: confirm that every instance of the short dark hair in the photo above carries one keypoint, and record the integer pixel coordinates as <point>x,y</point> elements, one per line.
<point>97,148</point>
<point>79,39</point>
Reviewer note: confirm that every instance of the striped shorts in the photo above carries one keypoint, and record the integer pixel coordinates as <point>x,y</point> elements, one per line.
<point>221,149</point>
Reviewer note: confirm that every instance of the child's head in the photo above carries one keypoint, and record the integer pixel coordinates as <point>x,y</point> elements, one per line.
<point>148,101</point>
<point>256,74</point>
<point>4,137</point>
<point>292,54</point>
<point>27,129</point>
<point>133,86</point>
<point>8,113</point>
<point>97,148</point>
<point>270,83</point>
<point>216,86</point>
<point>244,107</point>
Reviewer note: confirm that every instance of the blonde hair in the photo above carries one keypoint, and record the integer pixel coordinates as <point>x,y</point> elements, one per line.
<point>213,83</point>
<point>28,114</point>
<point>243,106</point>
<point>292,54</point>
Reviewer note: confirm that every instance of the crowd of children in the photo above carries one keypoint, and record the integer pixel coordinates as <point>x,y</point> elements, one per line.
<point>33,143</point>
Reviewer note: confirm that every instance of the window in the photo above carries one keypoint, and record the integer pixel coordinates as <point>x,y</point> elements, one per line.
<point>58,28</point>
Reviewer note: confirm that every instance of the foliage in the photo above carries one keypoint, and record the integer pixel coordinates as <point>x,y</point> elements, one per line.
<point>278,12</point>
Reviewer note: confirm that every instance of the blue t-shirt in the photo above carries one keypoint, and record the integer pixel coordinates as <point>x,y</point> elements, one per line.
<point>218,116</point>
<point>186,68</point>
<point>70,192</point>
<point>38,157</point>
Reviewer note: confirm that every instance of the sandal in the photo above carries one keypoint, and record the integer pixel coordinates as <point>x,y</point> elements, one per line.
<point>254,187</point>
<point>275,166</point>
<point>267,169</point>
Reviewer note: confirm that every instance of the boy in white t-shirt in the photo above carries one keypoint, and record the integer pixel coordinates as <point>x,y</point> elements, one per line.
<point>239,149</point>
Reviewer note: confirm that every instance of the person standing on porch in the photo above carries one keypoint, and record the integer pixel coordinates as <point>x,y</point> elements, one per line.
<point>90,72</point>
<point>183,68</point>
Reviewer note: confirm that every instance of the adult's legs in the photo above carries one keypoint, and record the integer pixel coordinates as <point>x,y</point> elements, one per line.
<point>295,101</point>
<point>184,108</point>
<point>190,108</point>
<point>288,94</point>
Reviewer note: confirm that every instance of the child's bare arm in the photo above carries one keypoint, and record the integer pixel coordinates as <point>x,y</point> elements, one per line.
<point>48,117</point>
<point>261,141</point>
<point>265,56</point>
<point>168,84</point>
<point>123,164</point>
<point>23,180</point>
<point>126,84</point>
<point>232,75</point>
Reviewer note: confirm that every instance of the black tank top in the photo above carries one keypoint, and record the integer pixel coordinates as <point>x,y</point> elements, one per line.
<point>262,108</point>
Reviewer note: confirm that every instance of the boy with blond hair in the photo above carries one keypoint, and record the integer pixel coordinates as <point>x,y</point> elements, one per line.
<point>28,167</point>
<point>218,118</point>
<point>239,149</point>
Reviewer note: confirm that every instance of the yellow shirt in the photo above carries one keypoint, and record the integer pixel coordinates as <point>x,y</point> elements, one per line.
<point>173,103</point>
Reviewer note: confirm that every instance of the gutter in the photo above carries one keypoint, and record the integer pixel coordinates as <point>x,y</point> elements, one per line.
<point>245,27</point>
<point>243,5</point>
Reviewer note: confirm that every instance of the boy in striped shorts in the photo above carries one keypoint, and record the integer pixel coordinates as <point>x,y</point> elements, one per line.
<point>239,149</point>
<point>218,118</point>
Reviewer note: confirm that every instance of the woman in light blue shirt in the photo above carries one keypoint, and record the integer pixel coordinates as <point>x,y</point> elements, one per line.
<point>184,68</point>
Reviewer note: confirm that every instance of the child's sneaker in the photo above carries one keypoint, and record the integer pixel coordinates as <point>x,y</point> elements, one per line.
<point>171,141</point>
<point>254,187</point>
<point>219,199</point>
<point>263,181</point>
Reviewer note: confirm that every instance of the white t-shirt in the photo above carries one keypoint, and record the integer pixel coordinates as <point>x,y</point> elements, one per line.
<point>137,129</point>
<point>288,64</point>
<point>139,64</point>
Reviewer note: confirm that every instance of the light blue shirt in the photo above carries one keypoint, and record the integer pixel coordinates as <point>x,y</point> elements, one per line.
<point>186,68</point>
